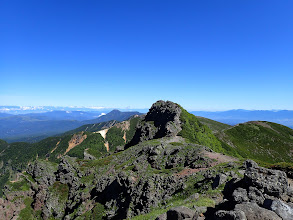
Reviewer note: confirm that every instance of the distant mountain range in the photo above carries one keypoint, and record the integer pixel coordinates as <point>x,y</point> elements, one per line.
<point>16,110</point>
<point>33,126</point>
<point>37,126</point>
<point>233,117</point>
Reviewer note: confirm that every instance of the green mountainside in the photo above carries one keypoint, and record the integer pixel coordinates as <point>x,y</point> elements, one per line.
<point>197,132</point>
<point>14,157</point>
<point>260,140</point>
<point>215,126</point>
<point>144,167</point>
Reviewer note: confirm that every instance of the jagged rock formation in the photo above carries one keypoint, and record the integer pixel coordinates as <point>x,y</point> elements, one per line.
<point>261,194</point>
<point>162,120</point>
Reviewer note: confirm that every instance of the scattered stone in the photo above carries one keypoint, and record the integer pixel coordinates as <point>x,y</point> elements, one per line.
<point>219,180</point>
<point>88,156</point>
<point>255,195</point>
<point>254,212</point>
<point>181,213</point>
<point>285,211</point>
<point>194,196</point>
<point>250,163</point>
<point>271,182</point>
<point>240,195</point>
<point>230,215</point>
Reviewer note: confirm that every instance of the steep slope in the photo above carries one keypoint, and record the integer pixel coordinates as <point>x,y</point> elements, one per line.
<point>81,144</point>
<point>261,140</point>
<point>215,126</point>
<point>168,119</point>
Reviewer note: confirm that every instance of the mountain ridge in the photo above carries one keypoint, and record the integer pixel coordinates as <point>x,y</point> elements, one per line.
<point>157,165</point>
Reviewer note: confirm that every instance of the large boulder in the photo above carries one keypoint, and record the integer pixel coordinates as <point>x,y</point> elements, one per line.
<point>240,195</point>
<point>254,212</point>
<point>219,180</point>
<point>284,210</point>
<point>270,182</point>
<point>250,163</point>
<point>181,213</point>
<point>255,195</point>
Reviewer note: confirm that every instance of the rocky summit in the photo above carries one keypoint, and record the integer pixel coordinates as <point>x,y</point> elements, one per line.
<point>165,165</point>
<point>162,120</point>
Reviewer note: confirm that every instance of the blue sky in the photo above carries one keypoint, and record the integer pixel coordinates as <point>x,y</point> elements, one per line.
<point>205,55</point>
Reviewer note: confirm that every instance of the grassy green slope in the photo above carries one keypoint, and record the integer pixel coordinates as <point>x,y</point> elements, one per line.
<point>215,126</point>
<point>199,133</point>
<point>265,141</point>
<point>93,144</point>
<point>3,145</point>
<point>116,133</point>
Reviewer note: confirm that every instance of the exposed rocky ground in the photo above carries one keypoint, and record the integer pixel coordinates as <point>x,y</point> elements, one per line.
<point>159,174</point>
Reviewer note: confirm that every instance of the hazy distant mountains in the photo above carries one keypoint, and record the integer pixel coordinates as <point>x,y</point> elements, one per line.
<point>36,126</point>
<point>113,115</point>
<point>16,110</point>
<point>232,117</point>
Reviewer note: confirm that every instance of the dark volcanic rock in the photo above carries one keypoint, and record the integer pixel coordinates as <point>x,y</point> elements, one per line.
<point>254,212</point>
<point>250,163</point>
<point>285,211</point>
<point>163,119</point>
<point>66,173</point>
<point>219,179</point>
<point>258,195</point>
<point>128,198</point>
<point>230,215</point>
<point>270,182</point>
<point>42,172</point>
<point>240,195</point>
<point>255,195</point>
<point>181,213</point>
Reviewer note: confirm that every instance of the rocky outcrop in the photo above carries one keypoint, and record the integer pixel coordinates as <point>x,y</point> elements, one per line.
<point>42,172</point>
<point>179,213</point>
<point>162,120</point>
<point>254,212</point>
<point>123,197</point>
<point>258,195</point>
<point>270,182</point>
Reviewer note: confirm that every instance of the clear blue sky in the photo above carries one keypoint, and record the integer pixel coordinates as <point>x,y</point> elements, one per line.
<point>202,54</point>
